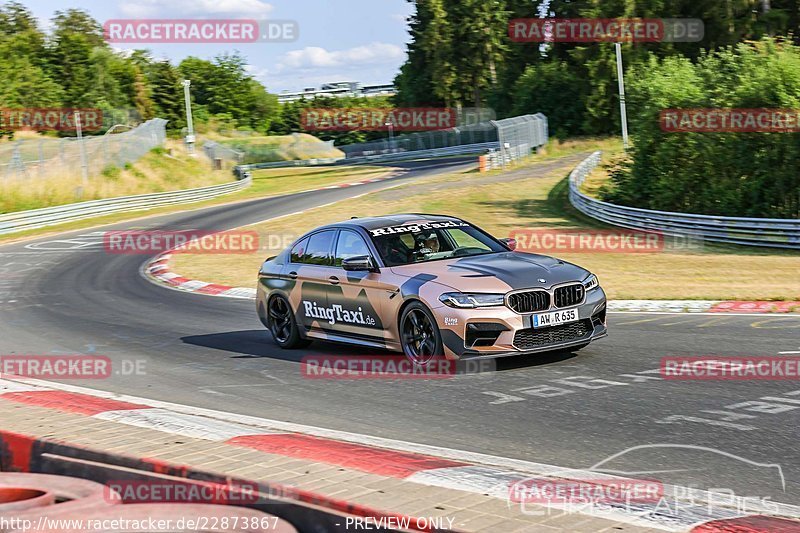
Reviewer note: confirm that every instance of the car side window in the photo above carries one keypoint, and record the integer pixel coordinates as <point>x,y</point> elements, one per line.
<point>299,251</point>
<point>350,244</point>
<point>318,251</point>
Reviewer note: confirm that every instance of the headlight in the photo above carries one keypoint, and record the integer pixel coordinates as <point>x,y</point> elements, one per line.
<point>466,300</point>
<point>591,283</point>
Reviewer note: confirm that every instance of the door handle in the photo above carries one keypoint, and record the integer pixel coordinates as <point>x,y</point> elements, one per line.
<point>293,275</point>
<point>334,280</point>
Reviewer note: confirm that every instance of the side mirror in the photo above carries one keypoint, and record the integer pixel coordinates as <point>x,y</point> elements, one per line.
<point>510,243</point>
<point>358,263</point>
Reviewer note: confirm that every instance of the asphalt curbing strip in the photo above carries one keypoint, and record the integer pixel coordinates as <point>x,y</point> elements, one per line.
<point>419,466</point>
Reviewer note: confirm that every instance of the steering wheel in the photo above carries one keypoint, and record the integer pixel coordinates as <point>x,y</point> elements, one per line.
<point>466,250</point>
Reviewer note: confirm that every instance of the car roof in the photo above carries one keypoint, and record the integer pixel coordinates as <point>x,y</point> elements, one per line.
<point>369,223</point>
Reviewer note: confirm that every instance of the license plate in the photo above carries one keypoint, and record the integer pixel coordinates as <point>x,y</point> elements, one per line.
<point>544,320</point>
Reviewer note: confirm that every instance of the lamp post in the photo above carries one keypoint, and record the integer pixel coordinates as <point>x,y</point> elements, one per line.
<point>621,84</point>
<point>82,148</point>
<point>189,125</point>
<point>391,134</point>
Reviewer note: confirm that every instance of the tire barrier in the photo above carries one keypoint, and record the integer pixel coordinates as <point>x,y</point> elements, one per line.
<point>49,503</point>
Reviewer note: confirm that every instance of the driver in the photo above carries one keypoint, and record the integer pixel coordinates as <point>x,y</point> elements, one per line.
<point>427,243</point>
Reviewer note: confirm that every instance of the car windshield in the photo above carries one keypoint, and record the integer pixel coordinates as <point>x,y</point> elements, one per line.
<point>420,243</point>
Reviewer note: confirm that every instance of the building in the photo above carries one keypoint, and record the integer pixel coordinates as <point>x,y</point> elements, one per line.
<point>339,89</point>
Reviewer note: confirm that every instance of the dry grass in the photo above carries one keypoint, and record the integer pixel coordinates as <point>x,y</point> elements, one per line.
<point>285,180</point>
<point>157,171</point>
<point>535,202</point>
<point>262,149</point>
<point>266,183</point>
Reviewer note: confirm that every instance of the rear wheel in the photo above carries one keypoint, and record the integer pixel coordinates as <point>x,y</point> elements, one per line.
<point>420,337</point>
<point>282,324</point>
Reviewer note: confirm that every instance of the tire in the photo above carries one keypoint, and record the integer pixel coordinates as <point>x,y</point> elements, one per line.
<point>419,335</point>
<point>282,324</point>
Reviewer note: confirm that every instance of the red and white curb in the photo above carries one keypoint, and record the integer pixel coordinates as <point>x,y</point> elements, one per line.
<point>415,463</point>
<point>159,270</point>
<point>362,182</point>
<point>704,306</point>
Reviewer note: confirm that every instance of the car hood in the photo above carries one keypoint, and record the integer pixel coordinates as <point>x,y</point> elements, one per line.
<point>498,272</point>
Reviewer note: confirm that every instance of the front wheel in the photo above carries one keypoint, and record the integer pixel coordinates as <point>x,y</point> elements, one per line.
<point>420,337</point>
<point>282,324</point>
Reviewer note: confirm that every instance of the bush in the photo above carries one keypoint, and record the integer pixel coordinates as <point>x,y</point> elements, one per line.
<point>554,89</point>
<point>729,174</point>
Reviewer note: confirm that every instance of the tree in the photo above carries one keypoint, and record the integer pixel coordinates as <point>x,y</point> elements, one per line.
<point>166,93</point>
<point>75,36</point>
<point>224,88</point>
<point>428,76</point>
<point>481,35</point>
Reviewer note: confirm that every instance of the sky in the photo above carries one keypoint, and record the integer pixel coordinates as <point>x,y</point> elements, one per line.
<point>339,40</point>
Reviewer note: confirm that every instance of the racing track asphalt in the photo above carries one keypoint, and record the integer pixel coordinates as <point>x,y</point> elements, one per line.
<point>572,410</point>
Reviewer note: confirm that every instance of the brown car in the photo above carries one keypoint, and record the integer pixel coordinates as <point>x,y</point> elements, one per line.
<point>426,285</point>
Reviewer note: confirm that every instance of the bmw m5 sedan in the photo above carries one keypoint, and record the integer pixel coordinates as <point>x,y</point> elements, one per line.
<point>429,286</point>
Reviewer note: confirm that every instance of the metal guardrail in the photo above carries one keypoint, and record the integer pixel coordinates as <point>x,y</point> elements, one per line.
<point>464,149</point>
<point>320,161</point>
<point>511,138</point>
<point>48,216</point>
<point>768,232</point>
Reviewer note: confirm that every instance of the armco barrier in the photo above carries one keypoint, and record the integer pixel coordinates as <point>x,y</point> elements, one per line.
<point>767,232</point>
<point>48,216</point>
<point>291,163</point>
<point>466,149</point>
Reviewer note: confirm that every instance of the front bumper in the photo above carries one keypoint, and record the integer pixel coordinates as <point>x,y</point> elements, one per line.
<point>490,332</point>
